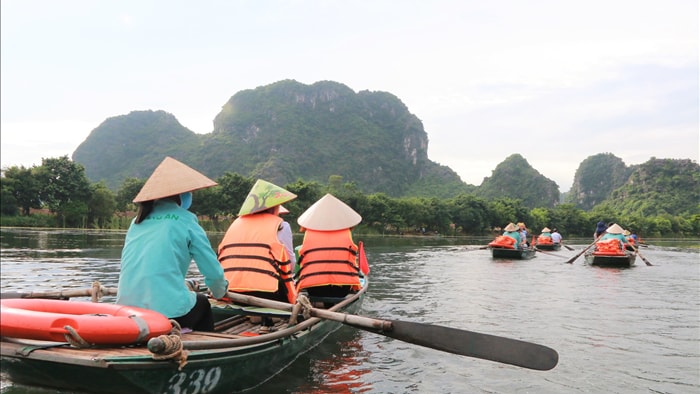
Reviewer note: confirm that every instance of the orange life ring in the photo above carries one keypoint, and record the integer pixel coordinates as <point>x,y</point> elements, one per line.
<point>95,323</point>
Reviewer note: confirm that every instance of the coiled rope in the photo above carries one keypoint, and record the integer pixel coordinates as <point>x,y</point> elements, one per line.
<point>169,347</point>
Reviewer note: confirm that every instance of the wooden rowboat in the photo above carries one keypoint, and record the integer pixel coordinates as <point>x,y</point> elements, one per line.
<point>513,254</point>
<point>240,355</point>
<point>503,247</point>
<point>626,259</point>
<point>548,246</point>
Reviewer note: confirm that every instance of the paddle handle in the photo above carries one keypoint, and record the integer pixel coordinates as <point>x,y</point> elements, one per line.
<point>64,294</point>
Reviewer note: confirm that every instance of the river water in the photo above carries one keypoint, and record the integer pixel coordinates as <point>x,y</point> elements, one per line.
<point>634,330</point>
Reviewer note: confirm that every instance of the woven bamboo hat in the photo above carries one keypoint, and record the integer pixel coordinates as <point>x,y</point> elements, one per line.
<point>171,178</point>
<point>264,195</point>
<point>283,210</point>
<point>329,214</point>
<point>615,229</point>
<point>511,227</point>
<point>546,230</point>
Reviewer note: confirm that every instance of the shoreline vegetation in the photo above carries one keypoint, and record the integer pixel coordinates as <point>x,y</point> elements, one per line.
<point>671,240</point>
<point>58,194</point>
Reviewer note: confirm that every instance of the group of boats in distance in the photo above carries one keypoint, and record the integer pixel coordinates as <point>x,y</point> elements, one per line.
<point>599,253</point>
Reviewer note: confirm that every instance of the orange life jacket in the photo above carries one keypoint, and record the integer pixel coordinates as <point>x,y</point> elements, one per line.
<point>544,239</point>
<point>328,258</point>
<point>253,258</point>
<point>612,246</point>
<point>503,241</point>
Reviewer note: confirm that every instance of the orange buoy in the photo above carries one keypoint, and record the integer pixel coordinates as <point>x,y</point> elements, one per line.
<point>94,323</point>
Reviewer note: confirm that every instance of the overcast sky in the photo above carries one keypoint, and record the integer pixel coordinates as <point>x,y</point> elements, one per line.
<point>555,81</point>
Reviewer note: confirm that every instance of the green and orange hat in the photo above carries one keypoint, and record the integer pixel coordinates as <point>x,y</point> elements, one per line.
<point>263,196</point>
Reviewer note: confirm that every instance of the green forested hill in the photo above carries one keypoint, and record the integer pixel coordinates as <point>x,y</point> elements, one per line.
<point>287,131</point>
<point>516,179</point>
<point>596,177</point>
<point>132,146</point>
<point>282,132</point>
<point>659,187</point>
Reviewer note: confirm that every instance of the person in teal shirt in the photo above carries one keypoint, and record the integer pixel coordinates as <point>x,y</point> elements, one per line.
<point>513,231</point>
<point>615,232</point>
<point>160,245</point>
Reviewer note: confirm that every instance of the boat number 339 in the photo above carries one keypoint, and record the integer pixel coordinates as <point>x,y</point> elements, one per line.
<point>199,381</point>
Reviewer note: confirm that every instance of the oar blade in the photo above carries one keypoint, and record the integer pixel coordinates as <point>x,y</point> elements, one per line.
<point>474,344</point>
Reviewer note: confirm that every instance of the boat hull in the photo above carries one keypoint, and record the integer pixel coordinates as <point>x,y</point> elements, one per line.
<point>601,260</point>
<point>553,247</point>
<point>216,363</point>
<point>513,254</point>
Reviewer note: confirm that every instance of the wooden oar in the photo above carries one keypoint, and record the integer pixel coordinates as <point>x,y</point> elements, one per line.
<point>571,260</point>
<point>61,294</point>
<point>568,247</point>
<point>479,248</point>
<point>547,252</point>
<point>640,255</point>
<point>451,340</point>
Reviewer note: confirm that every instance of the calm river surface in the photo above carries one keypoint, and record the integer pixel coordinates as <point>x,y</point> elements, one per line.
<point>634,330</point>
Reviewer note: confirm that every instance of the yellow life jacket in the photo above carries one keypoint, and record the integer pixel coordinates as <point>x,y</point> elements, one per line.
<point>328,258</point>
<point>253,258</point>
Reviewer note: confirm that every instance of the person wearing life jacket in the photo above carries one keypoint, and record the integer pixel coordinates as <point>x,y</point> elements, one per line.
<point>615,232</point>
<point>328,255</point>
<point>545,236</point>
<point>160,245</point>
<point>254,259</point>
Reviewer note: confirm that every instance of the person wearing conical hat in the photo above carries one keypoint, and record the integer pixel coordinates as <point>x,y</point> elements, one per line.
<point>328,255</point>
<point>523,233</point>
<point>545,237</point>
<point>513,231</point>
<point>160,245</point>
<point>615,231</point>
<point>255,253</point>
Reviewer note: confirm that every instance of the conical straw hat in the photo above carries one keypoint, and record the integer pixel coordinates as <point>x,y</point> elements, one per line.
<point>329,214</point>
<point>264,195</point>
<point>511,227</point>
<point>615,229</point>
<point>171,178</point>
<point>283,210</point>
<point>546,230</point>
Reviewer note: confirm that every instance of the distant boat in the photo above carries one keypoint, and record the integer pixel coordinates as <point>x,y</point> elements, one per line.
<point>610,253</point>
<point>503,247</point>
<point>548,246</point>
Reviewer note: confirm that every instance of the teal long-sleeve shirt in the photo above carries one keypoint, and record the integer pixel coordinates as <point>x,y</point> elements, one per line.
<point>621,237</point>
<point>155,259</point>
<point>516,236</point>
